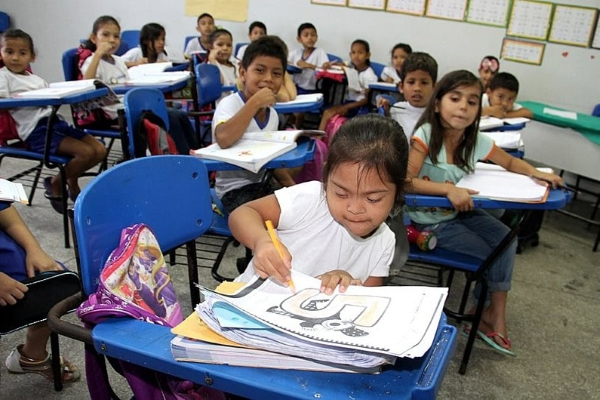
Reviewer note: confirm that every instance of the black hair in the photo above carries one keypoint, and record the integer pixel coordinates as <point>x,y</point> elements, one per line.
<point>365,44</point>
<point>269,46</point>
<point>419,61</point>
<point>98,24</point>
<point>149,33</point>
<point>406,47</point>
<point>306,25</point>
<point>506,81</point>
<point>13,33</point>
<point>464,151</point>
<point>257,24</point>
<point>216,33</point>
<point>376,143</point>
<point>204,15</point>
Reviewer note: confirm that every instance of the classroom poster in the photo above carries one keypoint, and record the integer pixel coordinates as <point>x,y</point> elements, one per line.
<point>370,4</point>
<point>489,12</point>
<point>412,7</point>
<point>522,51</point>
<point>228,10</point>
<point>446,9</point>
<point>530,19</point>
<point>572,25</point>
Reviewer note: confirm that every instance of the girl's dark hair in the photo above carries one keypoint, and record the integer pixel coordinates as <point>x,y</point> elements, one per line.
<point>98,24</point>
<point>257,24</point>
<point>270,46</point>
<point>464,152</point>
<point>406,47</point>
<point>365,44</point>
<point>149,33</point>
<point>376,143</point>
<point>19,34</point>
<point>218,32</point>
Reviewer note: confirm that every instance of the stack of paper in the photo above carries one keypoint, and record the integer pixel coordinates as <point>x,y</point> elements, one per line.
<point>356,331</point>
<point>508,140</point>
<point>494,182</point>
<point>11,192</point>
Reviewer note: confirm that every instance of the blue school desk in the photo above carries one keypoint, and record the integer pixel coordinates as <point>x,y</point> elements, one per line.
<point>299,105</point>
<point>166,87</point>
<point>149,345</point>
<point>297,157</point>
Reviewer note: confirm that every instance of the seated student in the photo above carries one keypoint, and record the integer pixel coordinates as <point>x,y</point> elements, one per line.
<point>418,75</point>
<point>152,48</point>
<point>360,55</point>
<point>334,230</point>
<point>17,52</point>
<point>103,64</point>
<point>446,145</point>
<point>249,110</point>
<point>221,46</point>
<point>391,73</point>
<point>307,58</point>
<point>205,24</point>
<point>256,30</point>
<point>500,96</point>
<point>488,68</point>
<point>22,257</point>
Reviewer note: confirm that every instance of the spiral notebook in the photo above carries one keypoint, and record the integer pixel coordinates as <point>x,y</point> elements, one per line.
<point>393,321</point>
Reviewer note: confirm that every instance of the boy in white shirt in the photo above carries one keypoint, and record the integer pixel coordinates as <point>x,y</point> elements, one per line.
<point>499,98</point>
<point>308,58</point>
<point>418,75</point>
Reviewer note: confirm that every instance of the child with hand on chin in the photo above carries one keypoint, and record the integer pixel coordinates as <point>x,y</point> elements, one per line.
<point>445,146</point>
<point>333,230</point>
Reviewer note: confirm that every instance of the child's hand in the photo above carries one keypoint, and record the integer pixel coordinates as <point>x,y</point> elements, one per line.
<point>461,198</point>
<point>39,261</point>
<point>268,262</point>
<point>549,178</point>
<point>104,48</point>
<point>304,64</point>
<point>383,102</point>
<point>10,290</point>
<point>264,98</point>
<point>143,60</point>
<point>496,111</point>
<point>337,277</point>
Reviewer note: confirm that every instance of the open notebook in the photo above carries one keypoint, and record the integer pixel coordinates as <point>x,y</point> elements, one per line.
<point>494,182</point>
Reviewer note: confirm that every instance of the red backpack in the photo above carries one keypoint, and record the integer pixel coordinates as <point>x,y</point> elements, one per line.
<point>151,135</point>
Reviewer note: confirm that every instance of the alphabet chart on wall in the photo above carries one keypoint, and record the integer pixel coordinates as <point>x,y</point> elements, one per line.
<point>413,7</point>
<point>596,39</point>
<point>530,19</point>
<point>371,4</point>
<point>446,9</point>
<point>488,12</point>
<point>522,51</point>
<point>572,25</point>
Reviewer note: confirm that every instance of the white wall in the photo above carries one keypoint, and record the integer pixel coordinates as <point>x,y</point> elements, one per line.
<point>572,82</point>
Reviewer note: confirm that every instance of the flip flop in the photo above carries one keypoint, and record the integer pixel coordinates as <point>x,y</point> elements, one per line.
<point>55,201</point>
<point>17,363</point>
<point>488,338</point>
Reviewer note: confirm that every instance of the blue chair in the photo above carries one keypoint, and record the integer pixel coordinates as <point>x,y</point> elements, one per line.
<point>208,91</point>
<point>334,58</point>
<point>4,21</point>
<point>131,38</point>
<point>187,40</point>
<point>377,68</point>
<point>237,48</point>
<point>71,73</point>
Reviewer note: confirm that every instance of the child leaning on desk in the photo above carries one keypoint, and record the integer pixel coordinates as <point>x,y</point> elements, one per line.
<point>419,74</point>
<point>221,48</point>
<point>152,48</point>
<point>499,100</point>
<point>391,73</point>
<point>446,146</point>
<point>17,52</point>
<point>249,110</point>
<point>334,230</point>
<point>308,58</point>
<point>101,63</point>
<point>22,258</point>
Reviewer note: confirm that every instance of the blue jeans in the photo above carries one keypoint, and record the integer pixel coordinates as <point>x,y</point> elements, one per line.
<point>476,233</point>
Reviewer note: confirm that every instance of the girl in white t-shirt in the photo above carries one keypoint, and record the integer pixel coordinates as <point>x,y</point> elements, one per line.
<point>221,50</point>
<point>152,48</point>
<point>333,230</point>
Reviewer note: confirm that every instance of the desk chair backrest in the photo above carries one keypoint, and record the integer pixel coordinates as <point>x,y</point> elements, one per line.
<point>377,68</point>
<point>131,37</point>
<point>170,194</point>
<point>69,64</point>
<point>334,58</point>
<point>139,100</point>
<point>187,40</point>
<point>208,84</point>
<point>596,111</point>
<point>4,21</point>
<point>237,48</point>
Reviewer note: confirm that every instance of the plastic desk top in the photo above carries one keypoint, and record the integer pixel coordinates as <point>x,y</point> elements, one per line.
<point>586,124</point>
<point>149,345</point>
<point>41,102</point>
<point>295,106</point>
<point>163,87</point>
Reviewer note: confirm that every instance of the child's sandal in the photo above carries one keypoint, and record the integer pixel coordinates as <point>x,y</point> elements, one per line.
<point>17,363</point>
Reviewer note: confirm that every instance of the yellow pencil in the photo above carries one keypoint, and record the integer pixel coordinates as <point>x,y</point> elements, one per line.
<point>277,243</point>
